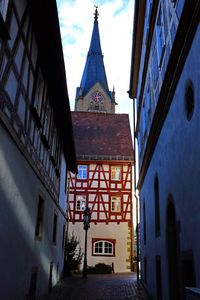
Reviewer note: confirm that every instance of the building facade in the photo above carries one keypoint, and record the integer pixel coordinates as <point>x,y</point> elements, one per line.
<point>164,85</point>
<point>105,159</point>
<point>104,184</point>
<point>34,153</point>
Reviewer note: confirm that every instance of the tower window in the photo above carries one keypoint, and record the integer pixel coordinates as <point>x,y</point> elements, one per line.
<point>189,101</point>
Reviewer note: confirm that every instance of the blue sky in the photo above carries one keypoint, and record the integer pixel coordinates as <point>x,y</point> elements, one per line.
<point>115,27</point>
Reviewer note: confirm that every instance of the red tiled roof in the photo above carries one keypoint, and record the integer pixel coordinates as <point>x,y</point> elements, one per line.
<point>102,136</point>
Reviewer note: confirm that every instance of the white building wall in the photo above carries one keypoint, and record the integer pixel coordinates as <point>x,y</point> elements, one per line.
<point>19,192</point>
<point>120,232</point>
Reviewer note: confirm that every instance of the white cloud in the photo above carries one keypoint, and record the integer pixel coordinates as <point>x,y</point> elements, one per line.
<point>115,27</point>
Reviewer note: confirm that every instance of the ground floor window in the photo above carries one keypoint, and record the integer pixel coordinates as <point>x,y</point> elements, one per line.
<point>103,247</point>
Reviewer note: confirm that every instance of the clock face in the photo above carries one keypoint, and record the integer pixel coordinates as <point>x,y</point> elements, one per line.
<point>97,97</point>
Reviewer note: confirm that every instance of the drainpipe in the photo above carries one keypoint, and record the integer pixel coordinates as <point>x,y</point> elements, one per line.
<point>135,195</point>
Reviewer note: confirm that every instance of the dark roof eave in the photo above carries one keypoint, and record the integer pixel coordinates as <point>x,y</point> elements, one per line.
<point>118,158</point>
<point>138,28</point>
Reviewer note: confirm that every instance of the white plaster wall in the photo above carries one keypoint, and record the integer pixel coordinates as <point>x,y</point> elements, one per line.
<point>176,161</point>
<point>110,231</point>
<point>19,251</point>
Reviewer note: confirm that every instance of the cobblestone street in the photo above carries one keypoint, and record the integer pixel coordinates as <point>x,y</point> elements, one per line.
<point>99,287</point>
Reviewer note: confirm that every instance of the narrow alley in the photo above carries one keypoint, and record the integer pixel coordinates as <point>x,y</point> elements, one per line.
<point>99,287</point>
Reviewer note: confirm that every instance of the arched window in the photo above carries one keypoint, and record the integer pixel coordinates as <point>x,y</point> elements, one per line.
<point>103,247</point>
<point>157,206</point>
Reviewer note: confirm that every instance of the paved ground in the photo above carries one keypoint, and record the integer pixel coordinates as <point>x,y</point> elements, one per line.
<point>99,287</point>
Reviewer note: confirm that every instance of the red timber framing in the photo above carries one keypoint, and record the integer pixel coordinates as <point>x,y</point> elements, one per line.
<point>99,191</point>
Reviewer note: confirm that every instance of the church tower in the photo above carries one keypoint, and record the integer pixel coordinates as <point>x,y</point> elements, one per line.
<point>93,95</point>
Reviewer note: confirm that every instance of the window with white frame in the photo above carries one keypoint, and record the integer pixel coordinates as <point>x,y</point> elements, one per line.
<point>104,248</point>
<point>115,173</point>
<point>116,204</point>
<point>82,172</point>
<point>3,8</point>
<point>160,36</point>
<point>80,202</point>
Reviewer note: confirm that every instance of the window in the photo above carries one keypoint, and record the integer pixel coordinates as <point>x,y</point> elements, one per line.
<point>157,207</point>
<point>143,121</point>
<point>40,218</point>
<point>155,69</point>
<point>115,204</point>
<point>3,8</point>
<point>47,120</point>
<point>55,219</point>
<point>160,35</point>
<point>80,202</point>
<point>189,101</point>
<point>103,247</point>
<point>148,102</point>
<point>50,275</point>
<point>82,172</point>
<point>33,283</point>
<point>63,237</point>
<point>158,278</point>
<point>38,98</point>
<point>39,92</point>
<point>144,223</point>
<point>145,269</point>
<point>115,173</point>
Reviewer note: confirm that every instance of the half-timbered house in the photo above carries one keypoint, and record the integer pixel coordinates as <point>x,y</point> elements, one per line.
<point>34,153</point>
<point>104,184</point>
<point>105,159</point>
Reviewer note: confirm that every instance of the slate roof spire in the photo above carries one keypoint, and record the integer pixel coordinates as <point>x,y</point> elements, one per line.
<point>94,70</point>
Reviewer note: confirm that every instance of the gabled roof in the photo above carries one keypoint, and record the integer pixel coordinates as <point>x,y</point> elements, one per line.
<point>94,70</point>
<point>102,136</point>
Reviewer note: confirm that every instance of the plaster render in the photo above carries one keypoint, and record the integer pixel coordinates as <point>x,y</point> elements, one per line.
<point>19,192</point>
<point>176,163</point>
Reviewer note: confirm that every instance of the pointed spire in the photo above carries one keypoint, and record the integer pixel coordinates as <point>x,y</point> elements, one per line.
<point>94,70</point>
